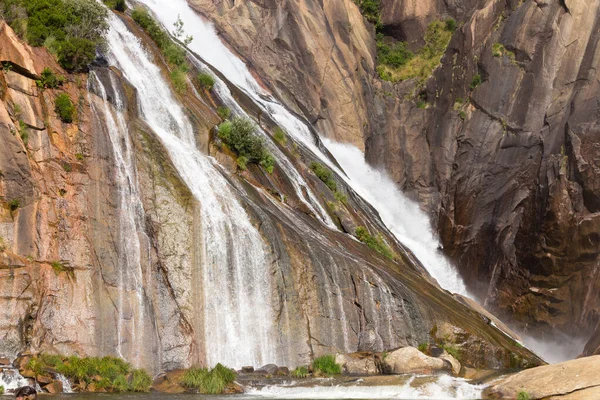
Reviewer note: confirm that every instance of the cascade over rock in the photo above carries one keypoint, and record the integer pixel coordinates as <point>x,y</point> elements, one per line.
<point>123,236</point>
<point>507,170</point>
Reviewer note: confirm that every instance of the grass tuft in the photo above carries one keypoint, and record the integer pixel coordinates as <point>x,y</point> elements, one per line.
<point>208,381</point>
<point>300,372</point>
<point>375,243</point>
<point>326,365</point>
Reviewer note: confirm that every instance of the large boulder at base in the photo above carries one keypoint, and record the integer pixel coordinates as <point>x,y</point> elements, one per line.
<point>567,380</point>
<point>453,362</point>
<point>409,360</point>
<point>358,363</point>
<point>54,387</point>
<point>270,369</point>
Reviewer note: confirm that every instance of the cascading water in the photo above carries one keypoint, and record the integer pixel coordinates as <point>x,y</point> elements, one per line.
<point>410,225</point>
<point>237,290</point>
<point>131,331</point>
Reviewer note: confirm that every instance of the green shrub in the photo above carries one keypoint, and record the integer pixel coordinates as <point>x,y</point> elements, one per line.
<point>79,156</point>
<point>450,25</point>
<point>339,196</point>
<point>179,79</point>
<point>280,136</point>
<point>207,381</point>
<point>64,108</point>
<point>23,132</point>
<point>523,395</point>
<point>118,5</point>
<point>398,63</point>
<point>206,80</point>
<point>72,29</point>
<point>174,53</point>
<point>452,350</point>
<point>300,372</point>
<point>325,365</point>
<point>375,243</point>
<point>498,50</point>
<point>242,162</point>
<point>476,81</point>
<point>370,10</point>
<point>239,135</point>
<point>462,115</point>
<point>423,347</point>
<point>324,174</point>
<point>49,80</point>
<point>223,112</point>
<point>1,389</point>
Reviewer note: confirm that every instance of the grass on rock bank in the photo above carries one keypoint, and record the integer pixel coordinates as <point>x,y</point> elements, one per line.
<point>208,381</point>
<point>109,374</point>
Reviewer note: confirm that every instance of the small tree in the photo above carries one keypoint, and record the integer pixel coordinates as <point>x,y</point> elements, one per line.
<point>65,108</point>
<point>179,33</point>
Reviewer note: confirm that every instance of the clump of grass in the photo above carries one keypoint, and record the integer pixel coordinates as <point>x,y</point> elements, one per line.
<point>49,80</point>
<point>326,365</point>
<point>523,395</point>
<point>140,381</point>
<point>179,79</point>
<point>452,350</point>
<point>64,108</point>
<point>23,132</point>
<point>79,156</point>
<point>240,135</point>
<point>375,243</point>
<point>58,267</point>
<point>462,115</point>
<point>498,50</point>
<point>397,63</point>
<point>208,381</point>
<point>423,347</point>
<point>67,167</point>
<point>118,5</point>
<point>206,80</point>
<point>300,372</point>
<point>1,390</point>
<point>223,112</point>
<point>280,136</point>
<point>476,81</point>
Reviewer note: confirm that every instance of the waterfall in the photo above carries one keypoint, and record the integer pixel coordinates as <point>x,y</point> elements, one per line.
<point>11,379</point>
<point>239,326</point>
<point>132,337</point>
<point>402,216</point>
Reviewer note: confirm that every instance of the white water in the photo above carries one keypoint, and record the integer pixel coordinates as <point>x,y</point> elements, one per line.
<point>65,383</point>
<point>131,333</point>
<point>11,379</point>
<point>239,324</point>
<point>444,387</point>
<point>403,217</point>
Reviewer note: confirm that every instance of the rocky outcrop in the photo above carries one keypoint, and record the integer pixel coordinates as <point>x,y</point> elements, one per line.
<point>409,360</point>
<point>358,363</point>
<point>575,379</point>
<point>507,169</point>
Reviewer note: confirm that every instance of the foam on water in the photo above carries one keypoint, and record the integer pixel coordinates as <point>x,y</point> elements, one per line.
<point>11,379</point>
<point>444,387</point>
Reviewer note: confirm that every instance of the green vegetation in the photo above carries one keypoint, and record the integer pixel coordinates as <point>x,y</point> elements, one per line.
<point>23,132</point>
<point>398,63</point>
<point>423,347</point>
<point>300,372</point>
<point>206,80</point>
<point>223,112</point>
<point>462,115</point>
<point>179,79</point>
<point>324,174</point>
<point>109,373</point>
<point>67,167</point>
<point>58,267</point>
<point>325,365</point>
<point>1,390</point>
<point>280,136</point>
<point>476,81</point>
<point>179,32</point>
<point>64,108</point>
<point>79,156</point>
<point>452,350</point>
<point>240,135</point>
<point>213,381</point>
<point>117,5</point>
<point>71,29</point>
<point>370,10</point>
<point>498,50</point>
<point>376,243</point>
<point>523,395</point>
<point>339,196</point>
<point>48,80</point>
<point>14,204</point>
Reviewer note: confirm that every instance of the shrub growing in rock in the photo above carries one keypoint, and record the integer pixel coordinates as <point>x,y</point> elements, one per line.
<point>523,395</point>
<point>280,136</point>
<point>208,381</point>
<point>64,108</point>
<point>476,81</point>
<point>239,134</point>
<point>326,365</point>
<point>223,112</point>
<point>206,80</point>
<point>49,80</point>
<point>376,243</point>
<point>300,372</point>
<point>118,5</point>
<point>324,174</point>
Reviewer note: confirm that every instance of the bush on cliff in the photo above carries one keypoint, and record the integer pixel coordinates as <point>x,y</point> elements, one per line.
<point>71,29</point>
<point>64,108</point>
<point>208,381</point>
<point>376,243</point>
<point>326,365</point>
<point>240,135</point>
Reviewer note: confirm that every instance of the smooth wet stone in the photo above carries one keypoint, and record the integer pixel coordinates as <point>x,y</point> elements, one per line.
<point>409,360</point>
<point>248,369</point>
<point>270,369</point>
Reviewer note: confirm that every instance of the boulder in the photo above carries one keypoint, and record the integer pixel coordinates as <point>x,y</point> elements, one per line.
<point>358,363</point>
<point>409,360</point>
<point>169,382</point>
<point>248,369</point>
<point>270,369</point>
<point>4,361</point>
<point>453,362</point>
<point>54,387</point>
<point>283,371</point>
<point>554,381</point>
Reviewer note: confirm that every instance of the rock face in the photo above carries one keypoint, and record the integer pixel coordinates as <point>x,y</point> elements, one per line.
<point>508,169</point>
<point>100,260</point>
<point>358,363</point>
<point>573,379</point>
